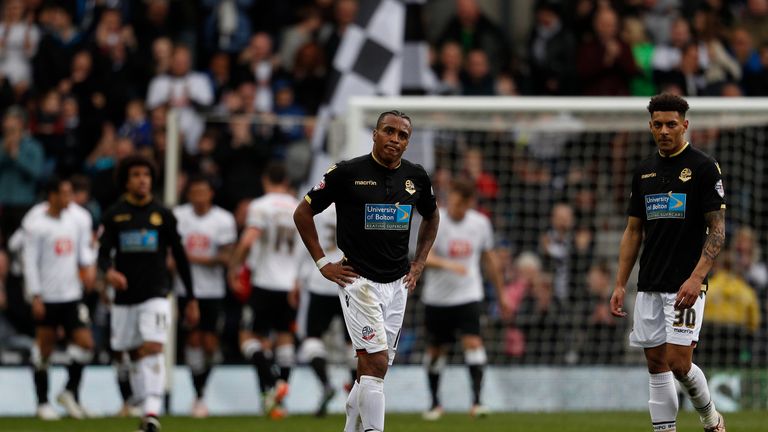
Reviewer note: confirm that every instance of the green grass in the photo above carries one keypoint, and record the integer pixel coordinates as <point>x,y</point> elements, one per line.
<point>557,422</point>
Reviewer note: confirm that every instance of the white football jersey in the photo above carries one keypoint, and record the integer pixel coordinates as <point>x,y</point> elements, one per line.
<point>82,217</point>
<point>311,277</point>
<point>464,242</point>
<point>203,236</point>
<point>53,250</point>
<point>275,257</point>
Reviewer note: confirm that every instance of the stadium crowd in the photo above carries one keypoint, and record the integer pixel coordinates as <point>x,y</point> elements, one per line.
<point>84,84</point>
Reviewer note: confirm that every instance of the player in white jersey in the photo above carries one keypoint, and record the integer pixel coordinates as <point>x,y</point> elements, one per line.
<point>208,233</point>
<point>324,306</point>
<point>272,243</point>
<point>58,260</point>
<point>453,290</point>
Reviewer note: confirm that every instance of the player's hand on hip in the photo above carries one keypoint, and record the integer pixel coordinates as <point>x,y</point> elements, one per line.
<point>117,279</point>
<point>413,275</point>
<point>339,273</point>
<point>617,302</point>
<point>38,308</point>
<point>192,313</point>
<point>687,294</point>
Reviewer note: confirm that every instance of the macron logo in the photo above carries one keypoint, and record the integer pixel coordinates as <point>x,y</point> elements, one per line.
<point>365,183</point>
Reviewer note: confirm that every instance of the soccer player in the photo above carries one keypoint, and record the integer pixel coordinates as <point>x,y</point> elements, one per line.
<point>677,211</point>
<point>208,233</point>
<point>137,233</point>
<point>453,291</point>
<point>324,306</point>
<point>58,261</point>
<point>270,242</point>
<point>375,196</point>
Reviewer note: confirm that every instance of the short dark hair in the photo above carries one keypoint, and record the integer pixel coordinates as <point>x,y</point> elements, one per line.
<point>199,178</point>
<point>80,183</point>
<point>276,173</point>
<point>668,102</point>
<point>133,161</point>
<point>53,184</point>
<point>463,186</point>
<point>395,113</point>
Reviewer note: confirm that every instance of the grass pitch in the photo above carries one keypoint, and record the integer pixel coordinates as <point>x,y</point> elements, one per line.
<point>545,422</point>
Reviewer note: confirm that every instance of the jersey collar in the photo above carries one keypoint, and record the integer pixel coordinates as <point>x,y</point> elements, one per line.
<point>373,156</point>
<point>677,153</point>
<point>139,203</point>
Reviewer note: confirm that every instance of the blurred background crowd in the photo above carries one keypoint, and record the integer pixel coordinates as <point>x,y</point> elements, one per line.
<point>84,83</point>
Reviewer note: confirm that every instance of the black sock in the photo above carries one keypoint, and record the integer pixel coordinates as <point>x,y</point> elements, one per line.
<point>199,380</point>
<point>125,388</point>
<point>434,384</point>
<point>264,370</point>
<point>476,374</point>
<point>319,365</point>
<point>41,385</point>
<point>285,373</point>
<point>75,372</point>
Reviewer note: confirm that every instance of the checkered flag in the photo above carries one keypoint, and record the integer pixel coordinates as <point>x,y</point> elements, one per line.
<point>418,77</point>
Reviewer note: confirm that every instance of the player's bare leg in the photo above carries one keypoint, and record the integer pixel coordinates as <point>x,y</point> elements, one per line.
<point>45,338</point>
<point>148,381</point>
<point>476,359</point>
<point>80,352</point>
<point>371,367</point>
<point>434,362</point>
<point>680,360</point>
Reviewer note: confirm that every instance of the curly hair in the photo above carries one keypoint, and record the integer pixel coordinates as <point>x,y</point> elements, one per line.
<point>668,102</point>
<point>132,161</point>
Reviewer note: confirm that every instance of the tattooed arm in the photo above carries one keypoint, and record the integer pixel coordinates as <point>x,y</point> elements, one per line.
<point>714,242</point>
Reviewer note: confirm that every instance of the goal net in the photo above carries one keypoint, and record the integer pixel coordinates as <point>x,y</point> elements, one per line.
<point>553,175</point>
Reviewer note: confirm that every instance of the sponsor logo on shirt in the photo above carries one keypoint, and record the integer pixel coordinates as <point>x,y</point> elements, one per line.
<point>63,246</point>
<point>459,248</point>
<point>122,217</point>
<point>649,175</point>
<point>685,175</point>
<point>139,241</point>
<point>368,333</point>
<point>388,217</point>
<point>365,182</point>
<point>665,206</point>
<point>198,243</point>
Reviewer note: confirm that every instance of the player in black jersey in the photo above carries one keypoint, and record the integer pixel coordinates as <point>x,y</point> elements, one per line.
<point>375,196</point>
<point>677,212</point>
<point>136,235</point>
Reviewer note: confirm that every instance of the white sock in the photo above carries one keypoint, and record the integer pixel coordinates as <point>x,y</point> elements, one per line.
<point>371,403</point>
<point>663,403</point>
<point>136,378</point>
<point>353,423</point>
<point>195,358</point>
<point>152,368</point>
<point>695,384</point>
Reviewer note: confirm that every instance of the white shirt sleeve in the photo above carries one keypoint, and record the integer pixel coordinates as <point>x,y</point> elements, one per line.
<point>257,217</point>
<point>228,232</point>
<point>159,91</point>
<point>31,253</point>
<point>200,89</point>
<point>86,252</point>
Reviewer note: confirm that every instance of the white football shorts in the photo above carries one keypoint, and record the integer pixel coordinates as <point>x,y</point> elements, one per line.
<point>374,314</point>
<point>656,321</point>
<point>132,325</point>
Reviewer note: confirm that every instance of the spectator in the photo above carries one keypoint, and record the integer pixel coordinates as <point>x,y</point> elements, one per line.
<point>602,342</point>
<point>524,277</point>
<point>756,84</point>
<point>540,319</point>
<point>136,126</point>
<point>220,74</point>
<point>21,165</point>
<point>304,32</point>
<point>667,57</point>
<point>635,35</point>
<point>54,55</point>
<point>344,13</point>
<point>473,30</point>
<point>743,49</point>
<point>186,91</point>
<point>448,68</point>
<point>228,26</point>
<point>688,74</point>
<point>87,87</point>
<point>754,20</point>
<point>605,63</point>
<point>258,64</point>
<point>566,252</point>
<point>242,162</point>
<point>722,67</point>
<point>19,37</point>
<point>746,258</point>
<point>551,48</point>
<point>289,113</point>
<point>309,76</point>
<point>486,183</point>
<point>47,126</point>
<point>476,78</point>
<point>162,56</point>
<point>733,317</point>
